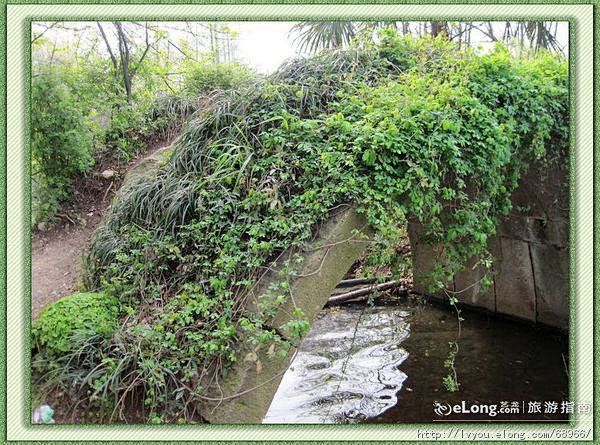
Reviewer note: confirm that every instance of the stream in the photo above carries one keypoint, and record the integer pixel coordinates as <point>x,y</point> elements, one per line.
<point>384,364</point>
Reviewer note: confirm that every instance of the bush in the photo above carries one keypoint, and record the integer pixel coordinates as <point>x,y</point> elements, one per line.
<point>169,112</point>
<point>128,131</point>
<point>71,321</point>
<point>61,143</point>
<point>202,78</point>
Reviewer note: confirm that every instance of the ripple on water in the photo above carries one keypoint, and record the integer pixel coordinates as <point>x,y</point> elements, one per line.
<point>335,379</point>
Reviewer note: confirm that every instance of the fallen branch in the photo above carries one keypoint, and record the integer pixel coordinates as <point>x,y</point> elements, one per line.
<point>107,190</point>
<point>355,281</point>
<point>361,292</point>
<point>64,215</point>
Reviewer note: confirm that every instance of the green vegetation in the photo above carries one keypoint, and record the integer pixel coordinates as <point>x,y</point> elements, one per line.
<point>84,109</point>
<point>61,142</point>
<point>403,129</point>
<point>78,316</point>
<point>203,78</point>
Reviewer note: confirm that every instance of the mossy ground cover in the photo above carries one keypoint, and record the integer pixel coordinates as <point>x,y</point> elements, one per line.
<point>402,129</point>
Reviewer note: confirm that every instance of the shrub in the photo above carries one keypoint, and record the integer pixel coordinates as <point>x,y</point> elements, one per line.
<point>203,78</point>
<point>66,324</point>
<point>61,143</point>
<point>169,112</point>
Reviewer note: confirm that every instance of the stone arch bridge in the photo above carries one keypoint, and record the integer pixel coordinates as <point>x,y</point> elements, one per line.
<point>530,282</point>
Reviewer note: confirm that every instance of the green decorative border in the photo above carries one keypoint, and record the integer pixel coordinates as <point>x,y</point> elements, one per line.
<point>3,229</point>
<point>572,191</point>
<point>305,2</point>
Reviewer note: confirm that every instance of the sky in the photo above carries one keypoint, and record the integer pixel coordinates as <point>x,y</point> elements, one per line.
<point>264,45</point>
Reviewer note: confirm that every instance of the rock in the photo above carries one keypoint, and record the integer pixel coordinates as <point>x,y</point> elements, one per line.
<point>514,284</point>
<point>551,269</point>
<point>107,174</point>
<point>41,226</point>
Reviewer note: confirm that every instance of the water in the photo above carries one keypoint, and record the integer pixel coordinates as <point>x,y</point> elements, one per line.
<point>346,369</point>
<point>384,364</point>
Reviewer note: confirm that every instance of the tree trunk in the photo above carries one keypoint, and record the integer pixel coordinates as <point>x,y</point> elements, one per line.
<point>439,28</point>
<point>125,60</point>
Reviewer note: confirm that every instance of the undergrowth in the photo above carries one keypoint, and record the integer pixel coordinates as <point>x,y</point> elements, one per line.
<point>402,130</point>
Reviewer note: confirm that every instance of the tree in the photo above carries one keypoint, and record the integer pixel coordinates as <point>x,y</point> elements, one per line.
<point>314,36</point>
<point>124,67</point>
<point>439,28</point>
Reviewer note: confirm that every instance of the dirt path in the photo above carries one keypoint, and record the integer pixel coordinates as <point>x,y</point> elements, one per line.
<point>56,254</point>
<point>56,260</point>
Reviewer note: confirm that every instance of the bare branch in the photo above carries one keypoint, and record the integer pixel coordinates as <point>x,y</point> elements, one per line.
<point>44,32</point>
<point>110,51</point>
<point>145,51</point>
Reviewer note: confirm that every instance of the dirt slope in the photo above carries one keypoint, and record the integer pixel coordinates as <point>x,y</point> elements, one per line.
<point>56,253</point>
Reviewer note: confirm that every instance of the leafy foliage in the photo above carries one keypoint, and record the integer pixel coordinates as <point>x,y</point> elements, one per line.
<point>205,77</point>
<point>65,324</point>
<point>313,36</point>
<point>80,114</point>
<point>61,142</point>
<point>401,130</point>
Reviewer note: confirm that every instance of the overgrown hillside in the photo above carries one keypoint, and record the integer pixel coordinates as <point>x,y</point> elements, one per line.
<point>400,129</point>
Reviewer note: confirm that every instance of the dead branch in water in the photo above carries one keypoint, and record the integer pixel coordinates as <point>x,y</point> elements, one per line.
<point>355,281</point>
<point>361,292</point>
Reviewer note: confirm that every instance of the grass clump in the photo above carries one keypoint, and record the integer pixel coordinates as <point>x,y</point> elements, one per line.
<point>401,130</point>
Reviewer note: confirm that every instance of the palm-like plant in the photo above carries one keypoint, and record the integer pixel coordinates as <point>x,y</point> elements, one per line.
<point>540,35</point>
<point>314,36</point>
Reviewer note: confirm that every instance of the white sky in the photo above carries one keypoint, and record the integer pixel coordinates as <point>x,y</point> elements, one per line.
<point>264,45</point>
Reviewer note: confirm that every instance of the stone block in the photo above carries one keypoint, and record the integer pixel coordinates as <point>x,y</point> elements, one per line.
<point>424,257</point>
<point>551,232</point>
<point>544,191</point>
<point>513,226</point>
<point>467,283</point>
<point>514,283</point>
<point>535,229</point>
<point>551,272</point>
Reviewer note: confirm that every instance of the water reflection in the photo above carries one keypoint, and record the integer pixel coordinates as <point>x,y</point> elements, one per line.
<point>346,369</point>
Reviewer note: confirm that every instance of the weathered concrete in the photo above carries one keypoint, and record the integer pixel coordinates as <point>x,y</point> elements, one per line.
<point>551,271</point>
<point>530,274</point>
<point>515,289</point>
<point>252,381</point>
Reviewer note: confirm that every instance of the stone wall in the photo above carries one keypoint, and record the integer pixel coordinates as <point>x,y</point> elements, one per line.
<point>531,271</point>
